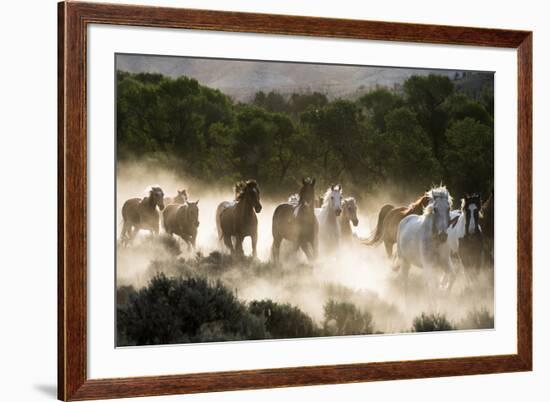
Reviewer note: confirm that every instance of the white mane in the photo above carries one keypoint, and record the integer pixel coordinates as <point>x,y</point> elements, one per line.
<point>437,192</point>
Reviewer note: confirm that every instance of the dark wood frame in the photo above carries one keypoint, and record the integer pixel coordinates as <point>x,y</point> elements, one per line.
<point>73,19</point>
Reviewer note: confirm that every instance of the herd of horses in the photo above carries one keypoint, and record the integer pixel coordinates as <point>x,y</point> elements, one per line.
<point>428,233</point>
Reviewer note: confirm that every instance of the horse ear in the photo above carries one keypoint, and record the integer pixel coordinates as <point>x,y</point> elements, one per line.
<point>197,202</point>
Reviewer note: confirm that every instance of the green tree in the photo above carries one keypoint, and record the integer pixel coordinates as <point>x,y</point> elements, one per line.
<point>468,157</point>
<point>408,152</point>
<point>378,104</point>
<point>425,96</point>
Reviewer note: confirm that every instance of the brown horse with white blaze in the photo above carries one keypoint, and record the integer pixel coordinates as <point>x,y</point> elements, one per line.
<point>237,219</point>
<point>389,218</point>
<point>142,214</point>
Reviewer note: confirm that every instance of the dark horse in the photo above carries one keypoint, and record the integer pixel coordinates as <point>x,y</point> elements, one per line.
<point>389,218</point>
<point>470,246</point>
<point>141,214</point>
<point>297,223</point>
<point>183,221</point>
<point>238,218</point>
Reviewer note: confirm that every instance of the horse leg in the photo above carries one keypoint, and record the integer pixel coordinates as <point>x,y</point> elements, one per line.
<point>388,244</point>
<point>275,247</point>
<point>254,241</point>
<point>126,227</point>
<point>239,245</point>
<point>228,243</point>
<point>308,250</point>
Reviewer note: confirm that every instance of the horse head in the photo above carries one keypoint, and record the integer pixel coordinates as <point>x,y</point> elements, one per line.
<point>156,195</point>
<point>440,207</point>
<point>471,207</point>
<point>307,192</point>
<point>349,210</point>
<point>250,191</point>
<point>193,213</point>
<point>181,198</point>
<point>333,199</point>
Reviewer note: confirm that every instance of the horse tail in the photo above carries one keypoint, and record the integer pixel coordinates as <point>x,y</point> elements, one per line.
<point>376,237</point>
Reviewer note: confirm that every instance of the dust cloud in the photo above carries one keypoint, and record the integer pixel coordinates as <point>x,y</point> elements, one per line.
<point>355,273</point>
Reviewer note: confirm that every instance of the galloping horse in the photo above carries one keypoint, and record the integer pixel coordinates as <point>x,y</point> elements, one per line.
<point>183,221</point>
<point>141,214</point>
<point>329,233</point>
<point>465,238</point>
<point>180,198</point>
<point>388,222</point>
<point>422,239</point>
<point>238,218</point>
<point>349,214</point>
<point>296,223</point>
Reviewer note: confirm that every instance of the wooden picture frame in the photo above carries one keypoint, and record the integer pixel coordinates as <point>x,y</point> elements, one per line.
<point>73,382</point>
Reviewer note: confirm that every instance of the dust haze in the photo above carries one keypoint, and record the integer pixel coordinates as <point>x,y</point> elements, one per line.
<point>355,273</point>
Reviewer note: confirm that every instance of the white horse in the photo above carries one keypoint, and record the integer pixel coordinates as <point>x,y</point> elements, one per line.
<point>329,230</point>
<point>422,240</point>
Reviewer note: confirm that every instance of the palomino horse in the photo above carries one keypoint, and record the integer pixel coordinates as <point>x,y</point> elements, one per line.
<point>180,198</point>
<point>141,214</point>
<point>465,237</point>
<point>296,222</point>
<point>183,221</point>
<point>327,216</point>
<point>348,217</point>
<point>388,221</point>
<point>238,218</point>
<point>422,240</point>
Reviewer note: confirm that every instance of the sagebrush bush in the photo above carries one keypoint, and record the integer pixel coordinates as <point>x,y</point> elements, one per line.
<point>478,319</point>
<point>431,322</point>
<point>284,320</point>
<point>343,318</point>
<point>179,310</point>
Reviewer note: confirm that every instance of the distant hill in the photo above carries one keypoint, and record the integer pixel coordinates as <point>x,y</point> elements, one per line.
<point>242,79</point>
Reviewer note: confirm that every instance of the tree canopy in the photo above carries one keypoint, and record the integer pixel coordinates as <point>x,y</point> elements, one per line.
<point>428,132</point>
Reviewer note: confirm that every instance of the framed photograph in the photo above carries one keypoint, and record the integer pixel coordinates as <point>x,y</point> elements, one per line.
<point>254,201</point>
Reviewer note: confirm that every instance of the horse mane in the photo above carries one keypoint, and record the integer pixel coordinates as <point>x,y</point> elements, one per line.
<point>242,185</point>
<point>416,205</point>
<point>437,192</point>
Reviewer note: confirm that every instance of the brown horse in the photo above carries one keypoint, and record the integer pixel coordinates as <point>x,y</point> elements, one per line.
<point>349,214</point>
<point>388,223</point>
<point>297,223</point>
<point>141,214</point>
<point>180,198</point>
<point>183,221</point>
<point>238,218</point>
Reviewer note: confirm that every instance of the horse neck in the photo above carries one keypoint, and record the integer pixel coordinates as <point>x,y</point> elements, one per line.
<point>244,207</point>
<point>148,201</point>
<point>345,225</point>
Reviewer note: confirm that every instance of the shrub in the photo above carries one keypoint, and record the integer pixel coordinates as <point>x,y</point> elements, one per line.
<point>431,322</point>
<point>178,310</point>
<point>284,320</point>
<point>343,318</point>
<point>478,319</point>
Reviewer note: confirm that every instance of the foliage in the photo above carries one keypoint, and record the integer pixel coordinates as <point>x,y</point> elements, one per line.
<point>434,130</point>
<point>478,319</point>
<point>177,310</point>
<point>343,318</point>
<point>284,320</point>
<point>431,322</point>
